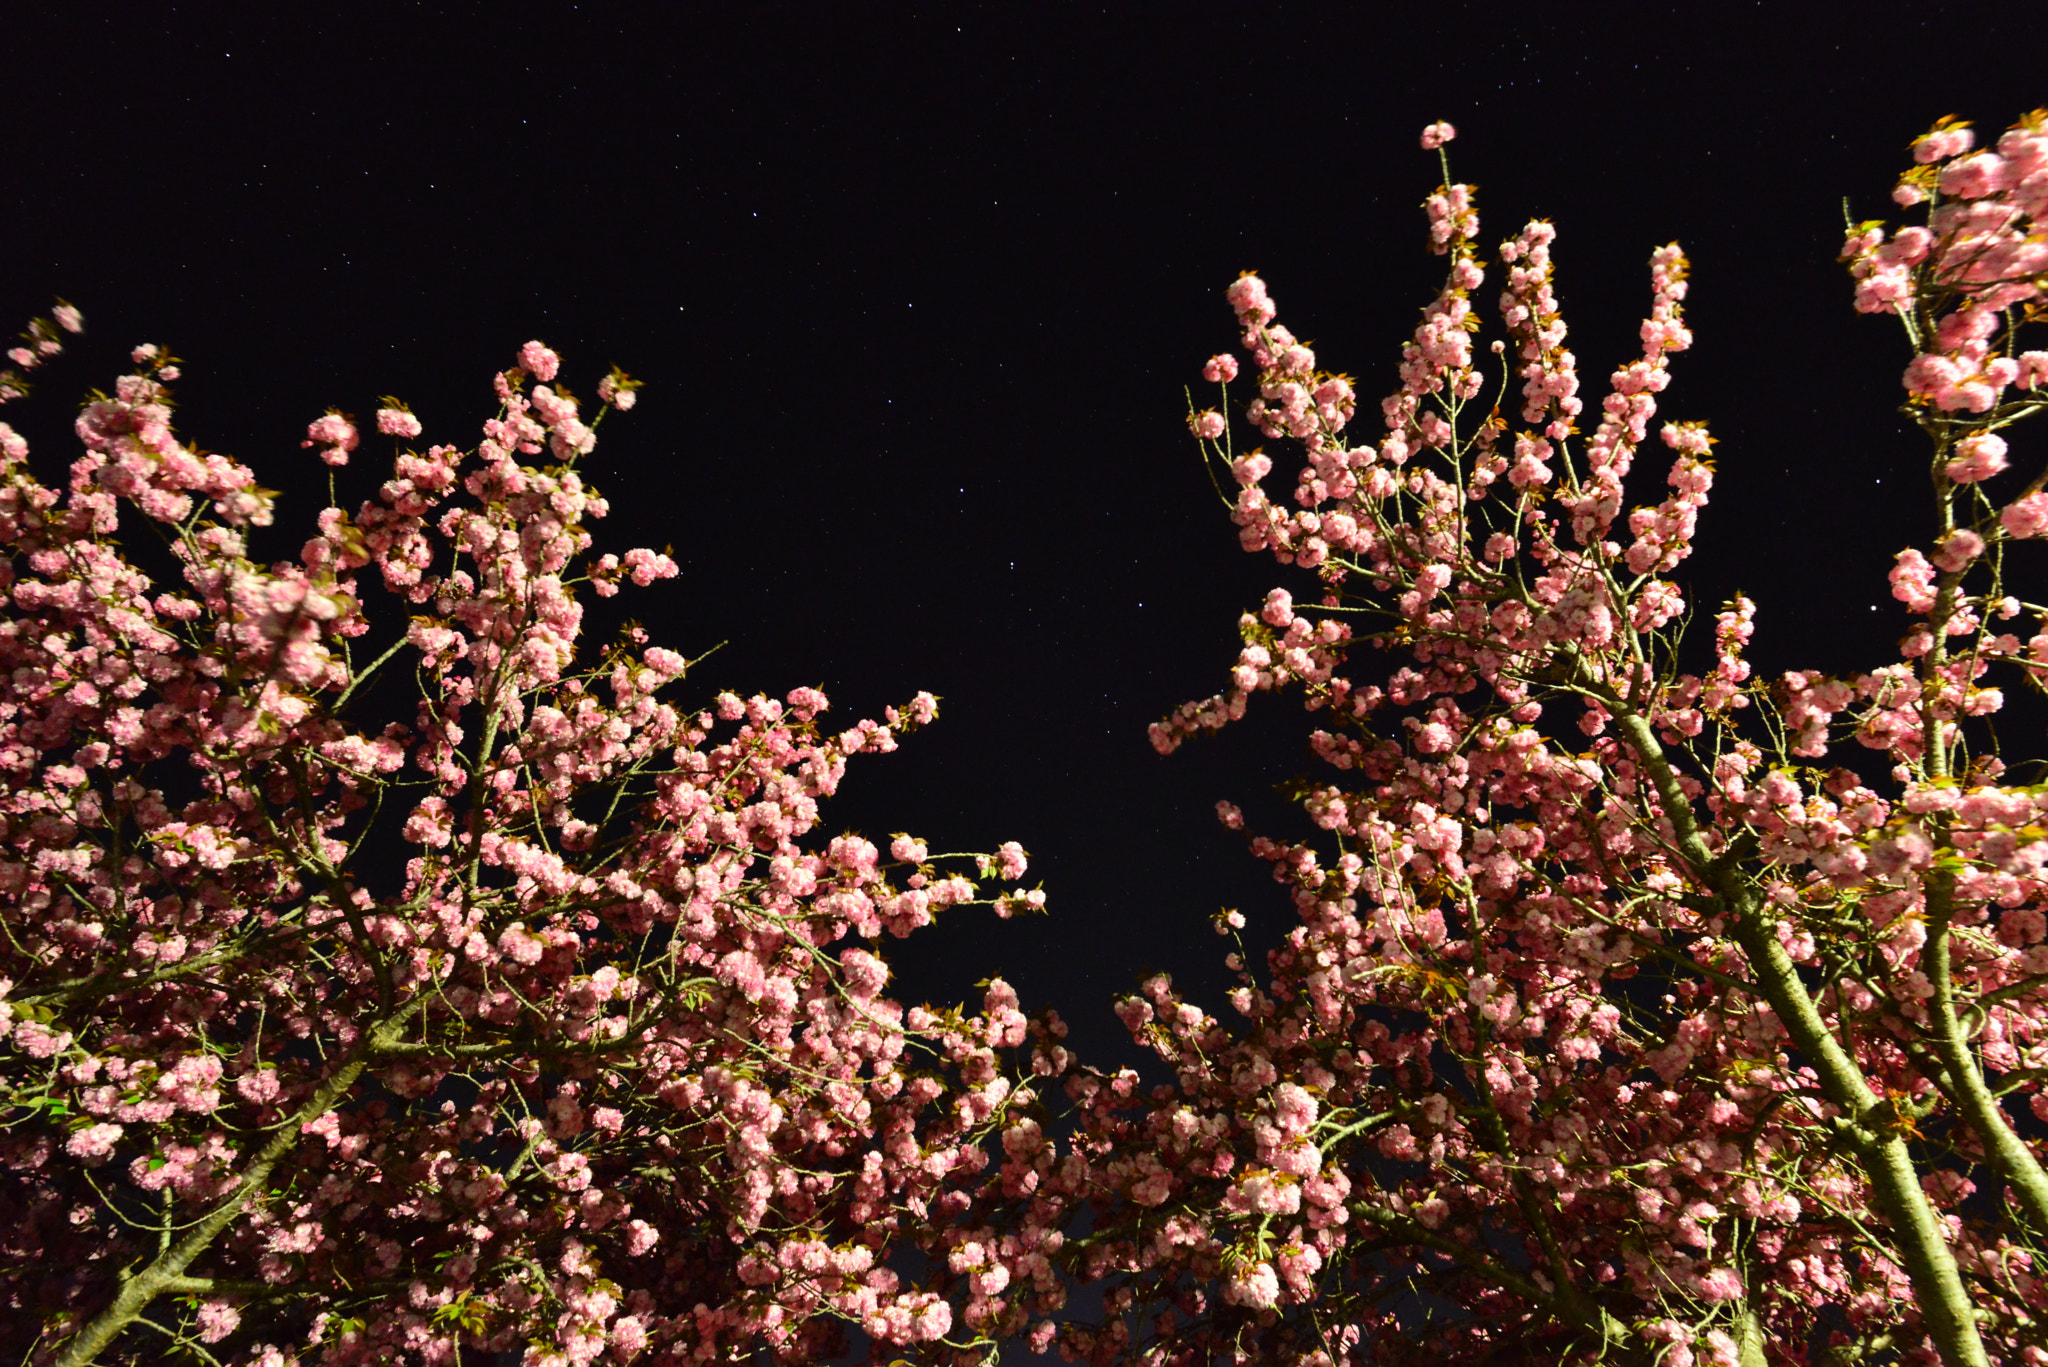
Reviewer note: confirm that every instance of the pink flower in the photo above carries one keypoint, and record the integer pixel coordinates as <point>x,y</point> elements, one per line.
<point>1396,1141</point>
<point>2026,517</point>
<point>865,974</point>
<point>1958,549</point>
<point>1977,458</point>
<point>259,1086</point>
<point>1912,581</point>
<point>217,1319</point>
<point>570,1171</point>
<point>335,434</point>
<point>94,1143</point>
<point>1941,143</point>
<point>646,566</point>
<point>628,1337</point>
<point>1294,1108</point>
<point>1436,135</point>
<point>1721,1348</point>
<point>1253,1284</point>
<point>1248,296</point>
<point>1220,369</point>
<point>1208,424</point>
<point>1721,1284</point>
<point>1974,177</point>
<point>539,362</point>
<point>397,422</point>
<point>618,390</point>
<point>430,824</point>
<point>519,944</point>
<point>39,1041</point>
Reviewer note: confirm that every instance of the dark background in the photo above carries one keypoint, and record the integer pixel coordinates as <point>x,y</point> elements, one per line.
<point>916,291</point>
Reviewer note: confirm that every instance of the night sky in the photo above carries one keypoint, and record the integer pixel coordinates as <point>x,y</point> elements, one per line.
<point>915,291</point>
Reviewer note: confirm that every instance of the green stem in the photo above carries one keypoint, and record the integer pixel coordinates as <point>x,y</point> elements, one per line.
<point>364,675</point>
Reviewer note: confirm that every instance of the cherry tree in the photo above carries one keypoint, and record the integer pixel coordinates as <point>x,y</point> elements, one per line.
<point>1639,1009</point>
<point>385,972</point>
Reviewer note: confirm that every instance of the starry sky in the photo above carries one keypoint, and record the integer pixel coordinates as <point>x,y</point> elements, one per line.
<point>916,291</point>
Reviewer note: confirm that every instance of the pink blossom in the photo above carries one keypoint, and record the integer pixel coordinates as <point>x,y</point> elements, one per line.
<point>1436,135</point>
<point>1248,296</point>
<point>1294,1108</point>
<point>584,871</point>
<point>539,362</point>
<point>1974,177</point>
<point>335,434</point>
<point>1720,1284</point>
<point>217,1319</point>
<point>628,1337</point>
<point>39,1041</point>
<point>259,1086</point>
<point>1254,1285</point>
<point>2026,517</point>
<point>1943,142</point>
<point>397,422</point>
<point>1912,581</point>
<point>1977,458</point>
<point>94,1143</point>
<point>1958,549</point>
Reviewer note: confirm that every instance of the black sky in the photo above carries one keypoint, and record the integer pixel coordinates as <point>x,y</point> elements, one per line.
<point>916,290</point>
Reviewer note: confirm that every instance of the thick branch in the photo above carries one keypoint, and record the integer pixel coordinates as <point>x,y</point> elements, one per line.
<point>1944,1303</point>
<point>2007,1152</point>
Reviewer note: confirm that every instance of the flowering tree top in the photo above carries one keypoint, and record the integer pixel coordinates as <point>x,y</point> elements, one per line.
<point>383,972</point>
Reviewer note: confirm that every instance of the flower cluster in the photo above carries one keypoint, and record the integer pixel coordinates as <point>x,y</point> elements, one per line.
<point>1954,279</point>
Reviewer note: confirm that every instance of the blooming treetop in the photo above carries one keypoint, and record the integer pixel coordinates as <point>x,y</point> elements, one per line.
<point>378,977</point>
<point>1627,1017</point>
<point>1630,1016</point>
